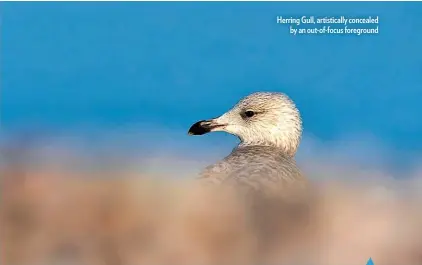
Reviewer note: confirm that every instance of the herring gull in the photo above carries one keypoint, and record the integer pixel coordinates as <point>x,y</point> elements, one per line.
<point>269,127</point>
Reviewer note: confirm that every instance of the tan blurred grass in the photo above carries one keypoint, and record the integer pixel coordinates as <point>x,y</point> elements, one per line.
<point>53,216</point>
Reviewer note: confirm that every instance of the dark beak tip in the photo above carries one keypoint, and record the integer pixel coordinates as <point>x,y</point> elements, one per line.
<point>198,128</point>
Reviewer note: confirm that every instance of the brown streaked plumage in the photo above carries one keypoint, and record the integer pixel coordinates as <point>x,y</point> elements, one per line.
<point>262,166</point>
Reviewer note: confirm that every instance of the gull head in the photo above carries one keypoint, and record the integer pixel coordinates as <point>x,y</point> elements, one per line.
<point>262,118</point>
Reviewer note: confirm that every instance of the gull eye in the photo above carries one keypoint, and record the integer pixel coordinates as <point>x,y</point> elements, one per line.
<point>249,113</point>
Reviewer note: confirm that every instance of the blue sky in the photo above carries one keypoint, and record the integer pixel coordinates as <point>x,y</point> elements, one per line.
<point>112,65</point>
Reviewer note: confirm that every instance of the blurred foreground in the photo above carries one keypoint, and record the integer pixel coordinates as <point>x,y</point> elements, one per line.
<point>55,215</point>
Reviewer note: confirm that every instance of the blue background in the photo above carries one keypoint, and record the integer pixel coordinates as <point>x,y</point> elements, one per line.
<point>114,65</point>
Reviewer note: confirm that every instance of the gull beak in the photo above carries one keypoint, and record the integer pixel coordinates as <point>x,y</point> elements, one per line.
<point>205,126</point>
